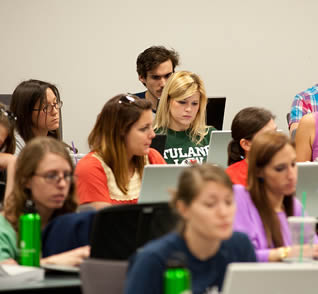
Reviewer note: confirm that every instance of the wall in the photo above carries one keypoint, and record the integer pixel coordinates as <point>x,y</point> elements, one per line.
<point>256,53</point>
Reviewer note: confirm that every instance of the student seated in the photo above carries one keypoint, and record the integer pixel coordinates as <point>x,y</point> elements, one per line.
<point>181,116</point>
<point>263,208</point>
<point>204,200</point>
<point>120,148</point>
<point>44,175</point>
<point>246,124</point>
<point>306,138</point>
<point>37,107</point>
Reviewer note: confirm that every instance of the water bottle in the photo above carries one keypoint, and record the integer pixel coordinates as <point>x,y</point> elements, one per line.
<point>177,278</point>
<point>29,236</point>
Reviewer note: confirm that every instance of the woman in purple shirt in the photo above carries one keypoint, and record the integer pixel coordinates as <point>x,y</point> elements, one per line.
<point>263,207</point>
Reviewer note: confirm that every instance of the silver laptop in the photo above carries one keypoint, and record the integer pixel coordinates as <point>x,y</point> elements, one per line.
<point>308,182</point>
<point>271,277</point>
<point>219,141</point>
<point>157,180</point>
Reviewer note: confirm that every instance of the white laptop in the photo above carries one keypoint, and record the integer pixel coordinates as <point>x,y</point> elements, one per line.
<point>308,182</point>
<point>157,180</point>
<point>271,277</point>
<point>219,141</point>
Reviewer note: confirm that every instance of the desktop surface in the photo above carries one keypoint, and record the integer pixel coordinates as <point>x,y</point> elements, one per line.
<point>53,283</point>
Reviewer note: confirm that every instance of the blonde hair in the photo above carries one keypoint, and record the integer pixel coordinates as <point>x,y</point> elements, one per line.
<point>181,85</point>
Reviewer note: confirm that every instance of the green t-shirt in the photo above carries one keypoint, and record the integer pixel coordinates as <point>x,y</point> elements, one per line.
<point>180,149</point>
<point>8,240</point>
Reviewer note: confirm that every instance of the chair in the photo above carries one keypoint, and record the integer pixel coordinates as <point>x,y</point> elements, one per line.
<point>103,276</point>
<point>215,112</point>
<point>118,231</point>
<point>219,142</point>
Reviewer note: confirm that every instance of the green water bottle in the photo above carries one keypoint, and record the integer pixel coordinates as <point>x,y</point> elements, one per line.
<point>177,278</point>
<point>29,236</point>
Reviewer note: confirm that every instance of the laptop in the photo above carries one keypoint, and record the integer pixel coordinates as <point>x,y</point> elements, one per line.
<point>219,142</point>
<point>308,182</point>
<point>157,180</point>
<point>159,143</point>
<point>215,112</point>
<point>271,277</point>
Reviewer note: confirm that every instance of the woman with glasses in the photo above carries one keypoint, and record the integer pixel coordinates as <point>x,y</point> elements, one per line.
<point>181,116</point>
<point>120,148</point>
<point>47,181</point>
<point>246,124</point>
<point>37,105</point>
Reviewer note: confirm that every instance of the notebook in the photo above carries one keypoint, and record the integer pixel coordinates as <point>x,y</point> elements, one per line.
<point>157,179</point>
<point>308,182</point>
<point>271,277</point>
<point>215,112</point>
<point>219,142</point>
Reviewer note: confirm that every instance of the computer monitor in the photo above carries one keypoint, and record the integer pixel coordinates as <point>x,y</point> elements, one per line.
<point>215,112</point>
<point>157,180</point>
<point>271,277</point>
<point>307,182</point>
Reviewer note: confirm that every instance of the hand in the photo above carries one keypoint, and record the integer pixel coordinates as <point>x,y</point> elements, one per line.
<point>72,257</point>
<point>8,261</point>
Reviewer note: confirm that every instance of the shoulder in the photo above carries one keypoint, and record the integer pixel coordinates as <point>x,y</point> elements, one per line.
<point>141,95</point>
<point>308,120</point>
<point>239,247</point>
<point>158,251</point>
<point>240,191</point>
<point>310,91</point>
<point>155,157</point>
<point>88,161</point>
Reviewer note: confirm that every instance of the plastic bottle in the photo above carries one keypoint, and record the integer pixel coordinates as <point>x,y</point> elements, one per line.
<point>30,236</point>
<point>177,278</point>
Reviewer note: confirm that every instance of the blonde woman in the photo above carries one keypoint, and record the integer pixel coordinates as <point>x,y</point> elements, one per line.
<point>181,116</point>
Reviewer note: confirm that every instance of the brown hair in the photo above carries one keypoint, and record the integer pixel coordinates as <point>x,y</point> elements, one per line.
<point>27,163</point>
<point>191,181</point>
<point>263,149</point>
<point>23,101</point>
<point>107,138</point>
<point>245,125</point>
<point>153,56</point>
<point>8,119</point>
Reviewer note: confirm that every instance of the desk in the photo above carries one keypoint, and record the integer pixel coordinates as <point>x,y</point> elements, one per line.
<point>53,283</point>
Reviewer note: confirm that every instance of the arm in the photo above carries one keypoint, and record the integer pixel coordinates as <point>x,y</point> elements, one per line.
<point>305,137</point>
<point>92,187</point>
<point>71,258</point>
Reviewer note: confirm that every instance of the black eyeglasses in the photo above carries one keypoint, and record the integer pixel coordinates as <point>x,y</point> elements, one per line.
<point>49,107</point>
<point>55,177</point>
<point>9,114</point>
<point>127,99</point>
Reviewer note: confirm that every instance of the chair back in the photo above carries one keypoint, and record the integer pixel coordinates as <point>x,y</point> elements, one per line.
<point>118,231</point>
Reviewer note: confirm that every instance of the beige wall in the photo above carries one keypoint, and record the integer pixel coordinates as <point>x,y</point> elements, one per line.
<point>258,53</point>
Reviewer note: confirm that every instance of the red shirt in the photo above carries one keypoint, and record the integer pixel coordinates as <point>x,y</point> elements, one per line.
<point>96,181</point>
<point>238,172</point>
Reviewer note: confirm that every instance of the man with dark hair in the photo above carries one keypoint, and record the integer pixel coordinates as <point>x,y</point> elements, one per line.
<point>154,67</point>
